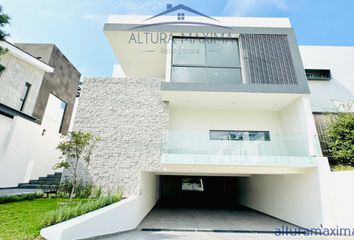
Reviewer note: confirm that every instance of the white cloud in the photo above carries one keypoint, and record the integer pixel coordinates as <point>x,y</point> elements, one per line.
<point>246,7</point>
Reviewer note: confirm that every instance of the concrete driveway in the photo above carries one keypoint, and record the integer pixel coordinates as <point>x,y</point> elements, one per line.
<point>199,224</point>
<point>139,235</point>
<point>241,219</point>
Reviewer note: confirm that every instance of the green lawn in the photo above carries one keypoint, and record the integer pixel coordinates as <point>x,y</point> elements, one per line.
<point>23,220</point>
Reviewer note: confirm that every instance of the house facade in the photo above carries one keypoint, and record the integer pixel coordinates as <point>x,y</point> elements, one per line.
<point>216,101</point>
<point>37,94</point>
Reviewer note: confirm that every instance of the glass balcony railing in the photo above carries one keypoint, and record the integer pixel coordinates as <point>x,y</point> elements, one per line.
<point>278,144</point>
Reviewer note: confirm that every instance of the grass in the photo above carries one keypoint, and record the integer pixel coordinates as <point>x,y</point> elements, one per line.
<point>68,212</point>
<point>342,168</point>
<point>23,220</point>
<point>22,197</point>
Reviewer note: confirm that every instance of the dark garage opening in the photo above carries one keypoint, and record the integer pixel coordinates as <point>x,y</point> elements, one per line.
<point>198,192</point>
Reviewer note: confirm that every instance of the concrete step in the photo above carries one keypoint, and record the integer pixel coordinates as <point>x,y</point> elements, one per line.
<point>50,181</point>
<point>55,179</point>
<point>29,186</point>
<point>44,182</point>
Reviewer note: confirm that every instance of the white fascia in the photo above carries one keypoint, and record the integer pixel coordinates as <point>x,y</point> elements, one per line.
<point>26,57</point>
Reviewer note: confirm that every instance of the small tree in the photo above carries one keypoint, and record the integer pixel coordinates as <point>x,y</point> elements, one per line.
<point>340,135</point>
<point>75,148</point>
<point>4,20</point>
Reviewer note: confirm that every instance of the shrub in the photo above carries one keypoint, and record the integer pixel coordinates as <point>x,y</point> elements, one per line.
<point>342,168</point>
<point>82,190</point>
<point>67,212</point>
<point>340,134</point>
<point>22,197</point>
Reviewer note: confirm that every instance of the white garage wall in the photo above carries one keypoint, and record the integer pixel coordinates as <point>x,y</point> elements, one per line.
<point>340,193</point>
<point>28,154</point>
<point>292,198</point>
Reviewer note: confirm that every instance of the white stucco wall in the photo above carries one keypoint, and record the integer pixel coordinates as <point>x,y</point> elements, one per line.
<point>340,88</point>
<point>292,198</point>
<point>28,154</point>
<point>205,120</point>
<point>297,121</point>
<point>13,79</point>
<point>5,125</point>
<point>340,195</point>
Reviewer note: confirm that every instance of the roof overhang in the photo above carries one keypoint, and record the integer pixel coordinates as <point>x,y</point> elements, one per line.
<point>15,51</point>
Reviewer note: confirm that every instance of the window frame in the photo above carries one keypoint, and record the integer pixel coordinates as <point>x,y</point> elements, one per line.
<point>23,99</point>
<point>205,66</point>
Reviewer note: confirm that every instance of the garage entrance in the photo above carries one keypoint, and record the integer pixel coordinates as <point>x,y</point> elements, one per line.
<point>198,192</point>
<point>205,203</point>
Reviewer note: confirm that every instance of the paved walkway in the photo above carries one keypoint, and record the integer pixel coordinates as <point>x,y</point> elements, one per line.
<point>139,235</point>
<point>17,191</point>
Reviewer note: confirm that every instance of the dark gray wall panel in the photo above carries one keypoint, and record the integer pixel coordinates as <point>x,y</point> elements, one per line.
<point>267,59</point>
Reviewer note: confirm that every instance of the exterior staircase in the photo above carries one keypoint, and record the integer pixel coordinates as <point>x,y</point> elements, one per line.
<point>48,183</point>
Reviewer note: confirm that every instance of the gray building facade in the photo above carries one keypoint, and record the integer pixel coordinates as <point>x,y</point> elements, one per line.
<point>62,83</point>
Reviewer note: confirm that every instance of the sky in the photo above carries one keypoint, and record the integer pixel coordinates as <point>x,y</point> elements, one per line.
<point>75,26</point>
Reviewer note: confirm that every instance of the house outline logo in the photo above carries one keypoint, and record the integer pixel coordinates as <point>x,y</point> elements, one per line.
<point>180,18</point>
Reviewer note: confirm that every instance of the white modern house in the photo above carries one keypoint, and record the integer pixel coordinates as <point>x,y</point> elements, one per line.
<point>36,100</point>
<point>207,112</point>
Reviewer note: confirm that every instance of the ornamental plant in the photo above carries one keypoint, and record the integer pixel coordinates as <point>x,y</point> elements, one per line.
<point>76,148</point>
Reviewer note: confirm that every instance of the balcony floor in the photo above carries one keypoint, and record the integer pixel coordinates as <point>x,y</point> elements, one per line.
<point>233,165</point>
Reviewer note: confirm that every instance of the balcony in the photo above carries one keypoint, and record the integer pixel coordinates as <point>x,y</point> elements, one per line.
<point>187,148</point>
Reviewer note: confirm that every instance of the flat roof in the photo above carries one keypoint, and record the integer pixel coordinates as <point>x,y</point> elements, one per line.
<point>224,21</point>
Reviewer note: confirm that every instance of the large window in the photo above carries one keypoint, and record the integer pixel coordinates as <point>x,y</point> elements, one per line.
<point>206,60</point>
<point>232,135</point>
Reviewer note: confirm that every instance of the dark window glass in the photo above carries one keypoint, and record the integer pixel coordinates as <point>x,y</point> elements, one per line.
<point>206,60</point>
<point>318,74</point>
<point>239,135</point>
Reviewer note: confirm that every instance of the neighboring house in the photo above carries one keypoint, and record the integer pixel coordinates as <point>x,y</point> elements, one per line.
<point>330,73</point>
<point>62,83</point>
<point>21,80</point>
<point>37,90</point>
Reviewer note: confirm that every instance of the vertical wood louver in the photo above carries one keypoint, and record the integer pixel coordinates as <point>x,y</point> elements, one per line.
<point>267,59</point>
